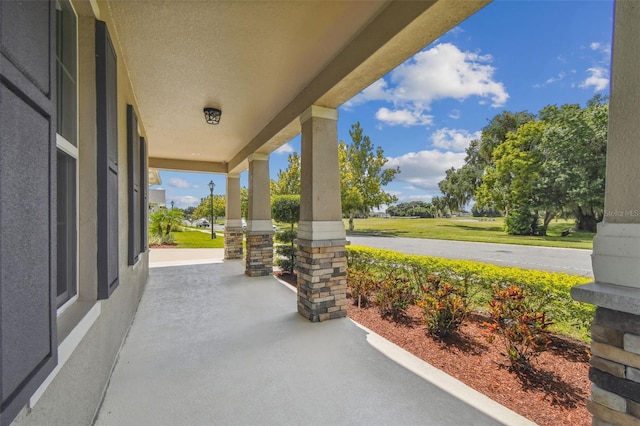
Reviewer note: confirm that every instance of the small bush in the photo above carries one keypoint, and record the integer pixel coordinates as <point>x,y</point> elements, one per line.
<point>522,330</point>
<point>393,296</point>
<point>161,240</point>
<point>444,307</point>
<point>362,284</point>
<point>286,251</point>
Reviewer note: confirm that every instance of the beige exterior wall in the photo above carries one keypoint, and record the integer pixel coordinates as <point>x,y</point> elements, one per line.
<point>90,332</point>
<point>622,203</point>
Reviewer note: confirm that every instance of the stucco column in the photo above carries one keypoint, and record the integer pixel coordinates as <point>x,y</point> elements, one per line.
<point>615,347</point>
<point>321,257</point>
<point>259,259</point>
<point>233,224</point>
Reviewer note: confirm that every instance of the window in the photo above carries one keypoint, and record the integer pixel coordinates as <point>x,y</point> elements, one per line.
<point>67,153</point>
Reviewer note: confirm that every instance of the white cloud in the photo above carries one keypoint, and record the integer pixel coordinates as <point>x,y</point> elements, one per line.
<point>551,80</point>
<point>456,140</point>
<point>284,149</point>
<point>403,117</point>
<point>455,114</point>
<point>424,169</point>
<point>601,47</point>
<point>598,79</point>
<point>179,183</point>
<point>442,72</point>
<point>187,200</point>
<point>377,91</point>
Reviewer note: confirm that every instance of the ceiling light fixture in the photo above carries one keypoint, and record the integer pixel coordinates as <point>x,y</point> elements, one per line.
<point>212,115</point>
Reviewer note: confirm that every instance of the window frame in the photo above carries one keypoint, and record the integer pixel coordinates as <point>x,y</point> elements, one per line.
<point>67,147</point>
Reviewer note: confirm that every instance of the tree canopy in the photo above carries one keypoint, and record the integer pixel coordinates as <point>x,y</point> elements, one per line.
<point>363,174</point>
<point>536,167</point>
<point>204,208</point>
<point>288,182</point>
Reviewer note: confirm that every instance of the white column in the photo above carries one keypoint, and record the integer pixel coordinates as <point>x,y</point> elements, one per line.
<point>259,215</point>
<point>320,208</point>
<point>321,255</point>
<point>616,248</point>
<point>233,205</point>
<point>233,232</point>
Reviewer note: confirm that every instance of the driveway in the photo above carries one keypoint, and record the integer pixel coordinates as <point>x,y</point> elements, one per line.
<point>570,261</point>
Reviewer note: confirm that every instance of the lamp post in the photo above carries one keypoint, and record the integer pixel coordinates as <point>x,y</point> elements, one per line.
<point>211,186</point>
<point>172,203</point>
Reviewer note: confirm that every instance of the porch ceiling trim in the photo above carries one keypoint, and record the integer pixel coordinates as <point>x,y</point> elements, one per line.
<point>187,166</point>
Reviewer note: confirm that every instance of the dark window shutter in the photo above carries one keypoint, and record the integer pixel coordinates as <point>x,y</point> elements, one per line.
<point>144,196</point>
<point>28,342</point>
<point>107,157</point>
<point>133,167</point>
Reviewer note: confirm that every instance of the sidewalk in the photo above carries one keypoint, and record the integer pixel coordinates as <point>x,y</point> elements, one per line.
<point>211,346</point>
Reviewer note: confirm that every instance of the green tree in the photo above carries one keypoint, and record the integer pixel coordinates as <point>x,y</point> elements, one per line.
<point>288,180</point>
<point>188,213</point>
<point>164,220</point>
<point>511,183</point>
<point>244,202</point>
<point>575,147</point>
<point>459,186</point>
<point>439,205</point>
<point>286,209</point>
<point>494,134</point>
<point>362,175</point>
<point>204,208</point>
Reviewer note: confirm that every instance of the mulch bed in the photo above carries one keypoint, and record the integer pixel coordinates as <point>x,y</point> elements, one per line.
<point>553,393</point>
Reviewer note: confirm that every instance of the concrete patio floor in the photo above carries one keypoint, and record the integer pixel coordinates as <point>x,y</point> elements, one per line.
<point>209,345</point>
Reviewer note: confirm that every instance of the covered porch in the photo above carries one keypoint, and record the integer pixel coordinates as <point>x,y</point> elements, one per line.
<point>211,345</point>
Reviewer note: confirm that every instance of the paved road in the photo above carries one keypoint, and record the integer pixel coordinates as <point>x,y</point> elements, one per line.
<point>570,261</point>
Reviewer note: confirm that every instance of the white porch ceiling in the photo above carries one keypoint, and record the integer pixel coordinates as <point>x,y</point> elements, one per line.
<point>262,63</point>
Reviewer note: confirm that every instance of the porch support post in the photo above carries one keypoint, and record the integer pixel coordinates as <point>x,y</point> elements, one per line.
<point>321,257</point>
<point>615,347</point>
<point>259,258</point>
<point>233,224</point>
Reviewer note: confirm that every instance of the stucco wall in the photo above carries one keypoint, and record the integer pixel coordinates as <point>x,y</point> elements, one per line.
<point>74,394</point>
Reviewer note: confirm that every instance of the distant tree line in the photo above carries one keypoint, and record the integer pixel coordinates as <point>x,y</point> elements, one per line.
<point>436,208</point>
<point>534,167</point>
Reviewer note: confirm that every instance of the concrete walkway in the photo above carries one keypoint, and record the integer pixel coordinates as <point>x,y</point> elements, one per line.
<point>211,346</point>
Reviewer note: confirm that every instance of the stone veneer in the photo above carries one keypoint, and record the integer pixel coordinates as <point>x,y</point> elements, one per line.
<point>615,368</point>
<point>322,279</point>
<point>233,243</point>
<point>259,259</point>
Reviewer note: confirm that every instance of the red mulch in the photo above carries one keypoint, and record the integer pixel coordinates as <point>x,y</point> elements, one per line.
<point>553,393</point>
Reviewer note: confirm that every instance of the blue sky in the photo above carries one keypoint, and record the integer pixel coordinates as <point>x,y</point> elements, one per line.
<point>511,55</point>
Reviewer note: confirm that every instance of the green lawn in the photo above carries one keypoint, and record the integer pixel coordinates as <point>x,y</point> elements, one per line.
<point>190,238</point>
<point>472,229</point>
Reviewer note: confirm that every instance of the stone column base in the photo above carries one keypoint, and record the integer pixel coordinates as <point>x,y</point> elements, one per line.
<point>259,259</point>
<point>233,243</point>
<point>322,279</point>
<point>615,368</point>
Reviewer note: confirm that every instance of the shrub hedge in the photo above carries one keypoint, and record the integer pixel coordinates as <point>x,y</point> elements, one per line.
<point>547,291</point>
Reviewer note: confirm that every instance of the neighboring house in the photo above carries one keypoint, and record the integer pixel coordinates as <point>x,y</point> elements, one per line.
<point>93,93</point>
<point>157,199</point>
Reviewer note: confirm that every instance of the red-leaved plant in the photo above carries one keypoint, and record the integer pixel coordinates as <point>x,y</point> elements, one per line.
<point>444,306</point>
<point>523,331</point>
